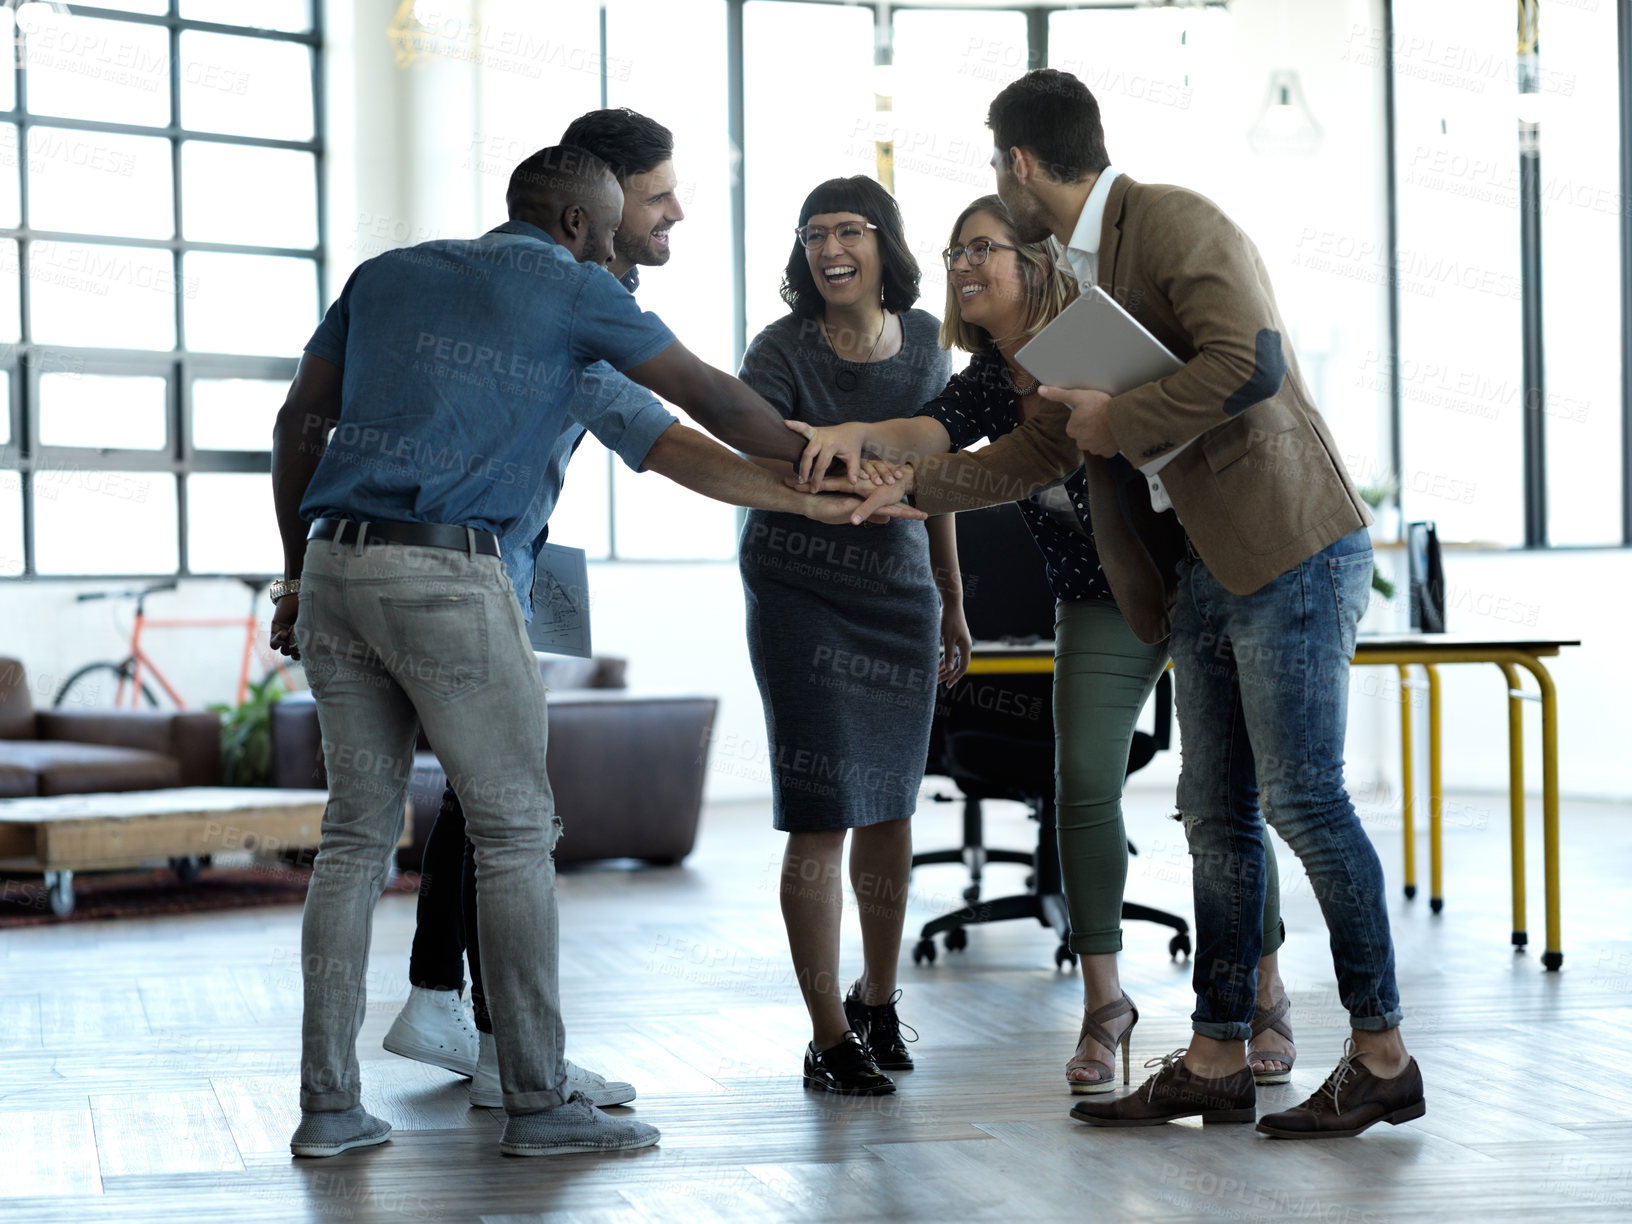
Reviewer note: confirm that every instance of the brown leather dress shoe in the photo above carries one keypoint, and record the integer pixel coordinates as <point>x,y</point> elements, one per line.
<point>1351,1099</point>
<point>1173,1092</point>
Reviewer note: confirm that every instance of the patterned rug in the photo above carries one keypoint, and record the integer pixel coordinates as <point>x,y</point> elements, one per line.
<point>144,894</point>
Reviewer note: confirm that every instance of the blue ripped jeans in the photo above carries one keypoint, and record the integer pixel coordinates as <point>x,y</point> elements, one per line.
<point>1262,698</point>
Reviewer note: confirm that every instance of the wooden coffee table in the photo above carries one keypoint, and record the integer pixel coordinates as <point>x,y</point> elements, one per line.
<point>62,834</point>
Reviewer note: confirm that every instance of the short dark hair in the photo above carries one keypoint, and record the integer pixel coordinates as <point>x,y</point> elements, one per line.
<point>866,198</point>
<point>1055,116</point>
<point>560,175</point>
<point>626,140</point>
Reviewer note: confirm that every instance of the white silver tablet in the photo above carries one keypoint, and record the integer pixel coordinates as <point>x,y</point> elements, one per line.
<point>1095,345</point>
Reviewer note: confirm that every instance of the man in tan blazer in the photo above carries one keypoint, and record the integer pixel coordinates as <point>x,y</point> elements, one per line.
<point>1259,572</point>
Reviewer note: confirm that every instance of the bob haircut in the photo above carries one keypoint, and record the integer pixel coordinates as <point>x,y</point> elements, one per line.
<point>866,198</point>
<point>1049,289</point>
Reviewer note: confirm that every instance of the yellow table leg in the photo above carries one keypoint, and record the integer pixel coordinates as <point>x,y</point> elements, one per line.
<point>1553,957</point>
<point>1408,785</point>
<point>1515,798</point>
<point>1436,798</point>
<point>1381,655</point>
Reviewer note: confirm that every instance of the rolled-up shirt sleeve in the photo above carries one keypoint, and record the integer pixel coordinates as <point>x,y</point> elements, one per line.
<point>624,417</point>
<point>607,325</point>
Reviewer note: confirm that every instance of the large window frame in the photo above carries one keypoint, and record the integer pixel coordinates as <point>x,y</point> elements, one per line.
<point>1530,443</point>
<point>26,361</point>
<point>1535,476</point>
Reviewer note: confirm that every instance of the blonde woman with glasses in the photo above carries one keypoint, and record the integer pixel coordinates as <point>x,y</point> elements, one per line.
<point>999,294</point>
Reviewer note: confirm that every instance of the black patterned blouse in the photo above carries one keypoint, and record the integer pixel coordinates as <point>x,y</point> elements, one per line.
<point>979,403</point>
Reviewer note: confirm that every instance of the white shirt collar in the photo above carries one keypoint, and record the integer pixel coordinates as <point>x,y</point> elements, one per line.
<point>1085,238</point>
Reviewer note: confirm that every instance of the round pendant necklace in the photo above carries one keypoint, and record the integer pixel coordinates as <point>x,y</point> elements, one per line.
<point>847,379</point>
<point>1023,384</point>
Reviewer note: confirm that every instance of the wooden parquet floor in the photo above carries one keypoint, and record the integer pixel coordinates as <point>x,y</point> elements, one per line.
<point>148,1068</point>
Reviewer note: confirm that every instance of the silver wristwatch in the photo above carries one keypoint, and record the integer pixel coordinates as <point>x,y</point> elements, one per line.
<point>284,586</point>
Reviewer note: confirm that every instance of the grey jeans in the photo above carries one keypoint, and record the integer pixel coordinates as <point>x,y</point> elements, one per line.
<point>393,637</point>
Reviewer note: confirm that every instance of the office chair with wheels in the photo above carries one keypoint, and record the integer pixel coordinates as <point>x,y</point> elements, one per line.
<point>994,738</point>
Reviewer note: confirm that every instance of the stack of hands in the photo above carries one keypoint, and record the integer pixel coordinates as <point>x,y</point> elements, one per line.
<point>835,462</point>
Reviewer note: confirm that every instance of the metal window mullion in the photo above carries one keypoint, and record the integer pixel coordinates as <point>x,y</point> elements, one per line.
<point>228,365</point>
<point>1391,239</point>
<point>320,156</point>
<point>175,187</point>
<point>178,399</point>
<point>109,459</point>
<point>1623,39</point>
<point>1037,37</point>
<point>231,463</point>
<point>184,566</point>
<point>180,417</point>
<point>1533,418</point>
<point>24,437</point>
<point>159,244</point>
<point>23,397</point>
<point>181,449</point>
<point>173,21</point>
<point>170,130</point>
<point>157,361</point>
<point>736,123</point>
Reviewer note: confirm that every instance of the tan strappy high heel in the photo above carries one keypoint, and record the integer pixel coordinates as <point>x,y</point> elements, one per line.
<point>1273,1019</point>
<point>1093,1025</point>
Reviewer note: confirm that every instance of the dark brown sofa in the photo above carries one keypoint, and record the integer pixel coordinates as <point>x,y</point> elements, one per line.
<point>81,751</point>
<point>626,768</point>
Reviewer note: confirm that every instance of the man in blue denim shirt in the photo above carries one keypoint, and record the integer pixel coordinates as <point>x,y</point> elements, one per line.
<point>433,1026</point>
<point>444,371</point>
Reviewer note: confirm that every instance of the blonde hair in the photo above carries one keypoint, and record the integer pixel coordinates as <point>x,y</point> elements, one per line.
<point>1049,288</point>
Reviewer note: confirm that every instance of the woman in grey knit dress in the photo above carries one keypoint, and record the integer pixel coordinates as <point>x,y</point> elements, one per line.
<point>845,625</point>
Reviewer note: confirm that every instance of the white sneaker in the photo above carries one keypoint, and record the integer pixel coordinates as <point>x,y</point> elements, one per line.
<point>600,1090</point>
<point>433,1028</point>
<point>485,1092</point>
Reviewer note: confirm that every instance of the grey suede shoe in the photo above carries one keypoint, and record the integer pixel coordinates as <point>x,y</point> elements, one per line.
<point>576,1126</point>
<point>329,1134</point>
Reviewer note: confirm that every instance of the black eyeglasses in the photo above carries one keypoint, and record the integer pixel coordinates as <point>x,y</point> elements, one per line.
<point>977,251</point>
<point>847,232</point>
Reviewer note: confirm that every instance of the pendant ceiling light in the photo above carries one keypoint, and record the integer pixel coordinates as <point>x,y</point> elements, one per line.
<point>1285,125</point>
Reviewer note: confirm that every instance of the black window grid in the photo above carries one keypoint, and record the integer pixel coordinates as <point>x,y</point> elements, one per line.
<point>25,361</point>
<point>181,367</point>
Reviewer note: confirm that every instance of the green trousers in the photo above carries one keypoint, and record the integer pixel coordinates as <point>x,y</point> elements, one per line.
<point>1103,675</point>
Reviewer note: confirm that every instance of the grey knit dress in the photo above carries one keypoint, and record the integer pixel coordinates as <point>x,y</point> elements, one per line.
<point>843,622</point>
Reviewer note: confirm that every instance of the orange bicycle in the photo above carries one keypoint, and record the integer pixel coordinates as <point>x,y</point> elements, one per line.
<point>126,682</point>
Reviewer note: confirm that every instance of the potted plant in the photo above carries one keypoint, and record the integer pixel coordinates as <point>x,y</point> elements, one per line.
<point>1377,494</point>
<point>246,734</point>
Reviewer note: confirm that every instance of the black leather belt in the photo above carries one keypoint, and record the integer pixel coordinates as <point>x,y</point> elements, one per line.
<point>414,535</point>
